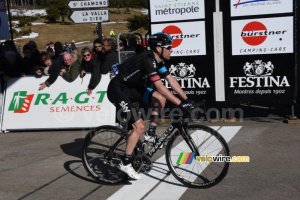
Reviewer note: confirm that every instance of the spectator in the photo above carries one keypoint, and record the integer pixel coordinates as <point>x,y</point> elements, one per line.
<point>111,55</point>
<point>19,49</point>
<point>54,70</point>
<point>66,47</point>
<point>133,45</point>
<point>121,46</point>
<point>112,33</point>
<point>92,65</point>
<point>10,46</point>
<point>46,61</point>
<point>51,45</point>
<point>50,51</point>
<point>74,51</point>
<point>34,49</point>
<point>29,62</point>
<point>98,50</point>
<point>70,69</point>
<point>10,67</point>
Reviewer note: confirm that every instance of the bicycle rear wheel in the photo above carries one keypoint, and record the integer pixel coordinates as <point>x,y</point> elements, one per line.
<point>101,164</point>
<point>184,165</point>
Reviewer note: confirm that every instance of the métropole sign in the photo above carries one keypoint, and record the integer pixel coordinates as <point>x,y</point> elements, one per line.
<point>90,16</point>
<point>4,32</point>
<point>172,10</point>
<point>88,4</point>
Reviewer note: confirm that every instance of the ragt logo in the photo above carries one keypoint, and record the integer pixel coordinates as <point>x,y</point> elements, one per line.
<point>20,102</point>
<point>255,33</point>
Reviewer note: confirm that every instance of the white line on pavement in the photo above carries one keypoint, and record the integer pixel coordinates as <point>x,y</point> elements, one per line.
<point>139,188</point>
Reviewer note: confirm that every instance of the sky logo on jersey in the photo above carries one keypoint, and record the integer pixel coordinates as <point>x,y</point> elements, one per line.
<point>185,158</point>
<point>20,102</point>
<point>248,2</point>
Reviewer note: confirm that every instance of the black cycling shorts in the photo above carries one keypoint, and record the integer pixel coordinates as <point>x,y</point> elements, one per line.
<point>124,97</point>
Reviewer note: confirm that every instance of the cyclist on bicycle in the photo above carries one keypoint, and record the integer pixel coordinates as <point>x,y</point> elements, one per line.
<point>129,86</point>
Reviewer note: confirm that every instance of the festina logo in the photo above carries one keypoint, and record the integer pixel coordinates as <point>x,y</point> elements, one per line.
<point>185,75</point>
<point>259,75</point>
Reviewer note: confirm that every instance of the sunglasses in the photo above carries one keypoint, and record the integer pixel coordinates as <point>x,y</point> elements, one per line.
<point>168,47</point>
<point>86,55</point>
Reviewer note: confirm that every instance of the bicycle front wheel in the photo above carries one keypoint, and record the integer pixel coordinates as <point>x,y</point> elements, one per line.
<point>101,154</point>
<point>198,171</point>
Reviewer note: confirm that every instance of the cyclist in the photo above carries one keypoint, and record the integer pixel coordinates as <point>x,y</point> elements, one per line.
<point>128,86</point>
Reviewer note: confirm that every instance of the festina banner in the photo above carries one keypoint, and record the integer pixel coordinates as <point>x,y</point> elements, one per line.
<point>192,76</point>
<point>174,10</point>
<point>260,47</point>
<point>62,105</point>
<point>4,32</point>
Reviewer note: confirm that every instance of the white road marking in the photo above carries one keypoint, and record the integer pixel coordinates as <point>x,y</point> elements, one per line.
<point>139,188</point>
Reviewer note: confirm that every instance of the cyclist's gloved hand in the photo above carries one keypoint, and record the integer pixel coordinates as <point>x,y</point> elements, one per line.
<point>187,105</point>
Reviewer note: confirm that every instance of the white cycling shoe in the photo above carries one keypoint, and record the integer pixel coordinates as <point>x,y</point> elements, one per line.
<point>151,139</point>
<point>128,169</point>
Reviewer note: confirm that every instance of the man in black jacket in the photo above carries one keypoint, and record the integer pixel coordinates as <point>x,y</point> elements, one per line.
<point>111,55</point>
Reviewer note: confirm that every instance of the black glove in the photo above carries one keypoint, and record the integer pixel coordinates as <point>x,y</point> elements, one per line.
<point>187,105</point>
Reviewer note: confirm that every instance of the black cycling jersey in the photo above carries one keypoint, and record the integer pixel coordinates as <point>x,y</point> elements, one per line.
<point>136,70</point>
<point>130,84</point>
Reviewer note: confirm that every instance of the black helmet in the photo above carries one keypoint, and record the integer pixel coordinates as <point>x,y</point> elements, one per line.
<point>159,39</point>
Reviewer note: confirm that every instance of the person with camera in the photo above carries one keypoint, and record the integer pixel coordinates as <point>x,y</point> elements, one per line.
<point>128,86</point>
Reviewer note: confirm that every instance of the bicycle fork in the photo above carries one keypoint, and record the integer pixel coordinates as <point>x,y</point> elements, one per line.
<point>189,140</point>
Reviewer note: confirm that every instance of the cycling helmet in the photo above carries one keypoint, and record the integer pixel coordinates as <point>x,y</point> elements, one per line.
<point>159,39</point>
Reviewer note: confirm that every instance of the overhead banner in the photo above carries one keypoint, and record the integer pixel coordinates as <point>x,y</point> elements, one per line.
<point>62,105</point>
<point>260,7</point>
<point>4,31</point>
<point>174,10</point>
<point>189,37</point>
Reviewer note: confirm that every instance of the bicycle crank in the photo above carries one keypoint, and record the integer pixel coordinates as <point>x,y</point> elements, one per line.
<point>142,163</point>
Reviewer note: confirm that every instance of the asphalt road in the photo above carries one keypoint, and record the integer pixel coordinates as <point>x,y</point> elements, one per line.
<point>47,165</point>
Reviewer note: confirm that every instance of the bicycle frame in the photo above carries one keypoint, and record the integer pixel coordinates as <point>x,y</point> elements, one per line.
<point>181,126</point>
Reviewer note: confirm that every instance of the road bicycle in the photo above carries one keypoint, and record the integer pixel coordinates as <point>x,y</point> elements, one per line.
<point>105,145</point>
